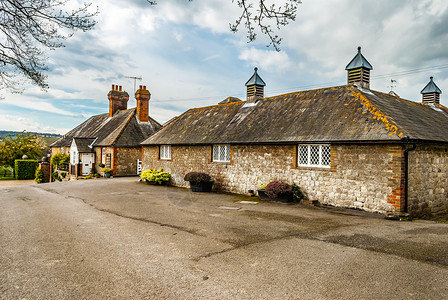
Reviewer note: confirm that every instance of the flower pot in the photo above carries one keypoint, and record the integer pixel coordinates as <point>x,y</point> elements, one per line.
<point>156,183</point>
<point>107,175</point>
<point>281,197</point>
<point>262,195</point>
<point>201,186</point>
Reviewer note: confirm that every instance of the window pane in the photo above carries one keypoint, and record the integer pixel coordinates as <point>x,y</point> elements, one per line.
<point>314,155</point>
<point>215,153</point>
<point>326,155</point>
<point>303,155</point>
<point>227,157</point>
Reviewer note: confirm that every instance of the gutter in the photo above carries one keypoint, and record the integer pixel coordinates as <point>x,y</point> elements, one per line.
<point>406,175</point>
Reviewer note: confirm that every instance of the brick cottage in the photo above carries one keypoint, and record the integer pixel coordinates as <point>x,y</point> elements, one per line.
<point>346,146</point>
<point>112,138</point>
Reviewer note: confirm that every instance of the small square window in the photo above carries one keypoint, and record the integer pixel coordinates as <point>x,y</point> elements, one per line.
<point>221,153</point>
<point>165,152</point>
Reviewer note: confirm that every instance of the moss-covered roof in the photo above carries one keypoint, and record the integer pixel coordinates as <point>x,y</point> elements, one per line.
<point>343,113</point>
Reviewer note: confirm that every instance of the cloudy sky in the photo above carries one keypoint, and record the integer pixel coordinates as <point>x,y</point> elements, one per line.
<point>187,56</point>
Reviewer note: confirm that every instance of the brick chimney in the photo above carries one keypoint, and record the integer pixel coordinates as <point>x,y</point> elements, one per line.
<point>431,93</point>
<point>142,95</point>
<point>358,71</point>
<point>118,100</point>
<point>255,88</point>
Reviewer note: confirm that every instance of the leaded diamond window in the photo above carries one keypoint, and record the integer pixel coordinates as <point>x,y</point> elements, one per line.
<point>314,155</point>
<point>221,153</point>
<point>165,152</point>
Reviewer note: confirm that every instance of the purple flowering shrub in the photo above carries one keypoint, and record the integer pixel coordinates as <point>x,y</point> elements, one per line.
<point>197,177</point>
<point>276,188</point>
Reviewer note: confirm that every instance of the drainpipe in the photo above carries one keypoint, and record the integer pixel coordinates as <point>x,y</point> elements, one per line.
<point>406,175</point>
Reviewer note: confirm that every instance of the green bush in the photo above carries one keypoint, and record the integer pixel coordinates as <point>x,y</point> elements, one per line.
<point>25,168</point>
<point>55,176</point>
<point>64,174</point>
<point>59,160</point>
<point>297,193</point>
<point>39,178</point>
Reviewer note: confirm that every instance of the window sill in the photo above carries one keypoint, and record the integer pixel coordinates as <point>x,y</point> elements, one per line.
<point>314,168</point>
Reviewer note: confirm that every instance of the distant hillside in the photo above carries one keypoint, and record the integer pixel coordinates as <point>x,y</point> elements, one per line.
<point>4,133</point>
<point>48,138</point>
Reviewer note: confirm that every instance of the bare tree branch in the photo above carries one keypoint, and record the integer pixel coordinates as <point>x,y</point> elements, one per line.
<point>27,28</point>
<point>261,15</point>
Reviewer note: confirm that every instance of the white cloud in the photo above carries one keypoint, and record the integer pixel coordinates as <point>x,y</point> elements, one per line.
<point>267,59</point>
<point>19,123</point>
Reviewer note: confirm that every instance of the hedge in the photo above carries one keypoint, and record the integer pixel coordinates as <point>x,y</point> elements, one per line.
<point>25,168</point>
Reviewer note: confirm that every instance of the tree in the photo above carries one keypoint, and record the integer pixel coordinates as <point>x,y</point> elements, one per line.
<point>14,147</point>
<point>27,28</point>
<point>261,16</point>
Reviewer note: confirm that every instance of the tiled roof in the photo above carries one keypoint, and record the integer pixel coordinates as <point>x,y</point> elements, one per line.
<point>343,113</point>
<point>83,144</point>
<point>122,129</point>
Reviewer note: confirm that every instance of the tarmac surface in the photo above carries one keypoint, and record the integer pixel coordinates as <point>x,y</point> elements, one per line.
<point>117,238</point>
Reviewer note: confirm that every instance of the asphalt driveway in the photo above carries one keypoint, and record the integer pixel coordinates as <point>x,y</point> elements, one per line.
<point>95,239</point>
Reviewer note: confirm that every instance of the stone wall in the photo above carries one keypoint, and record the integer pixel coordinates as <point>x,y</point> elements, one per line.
<point>126,160</point>
<point>428,181</point>
<point>368,177</point>
<point>56,150</point>
<point>123,160</point>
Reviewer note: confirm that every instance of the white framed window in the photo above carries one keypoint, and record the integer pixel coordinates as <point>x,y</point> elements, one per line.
<point>221,153</point>
<point>103,155</point>
<point>165,151</point>
<point>314,155</point>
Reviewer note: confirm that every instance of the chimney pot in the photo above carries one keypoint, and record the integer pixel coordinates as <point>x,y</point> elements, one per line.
<point>113,86</point>
<point>144,87</point>
<point>120,88</point>
<point>140,87</point>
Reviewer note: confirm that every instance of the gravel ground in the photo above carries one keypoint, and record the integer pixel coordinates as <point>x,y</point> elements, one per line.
<point>5,183</point>
<point>101,239</point>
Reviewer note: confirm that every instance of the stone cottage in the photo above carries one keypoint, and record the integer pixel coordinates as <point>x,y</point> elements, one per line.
<point>346,146</point>
<point>112,139</point>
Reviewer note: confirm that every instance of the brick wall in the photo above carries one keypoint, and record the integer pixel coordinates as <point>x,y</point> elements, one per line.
<point>368,177</point>
<point>428,181</point>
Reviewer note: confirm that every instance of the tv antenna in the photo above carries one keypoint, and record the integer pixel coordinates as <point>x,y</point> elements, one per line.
<point>135,78</point>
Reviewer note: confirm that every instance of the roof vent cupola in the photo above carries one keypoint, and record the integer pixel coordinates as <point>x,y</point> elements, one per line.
<point>142,95</point>
<point>118,99</point>
<point>431,93</point>
<point>255,87</point>
<point>358,71</point>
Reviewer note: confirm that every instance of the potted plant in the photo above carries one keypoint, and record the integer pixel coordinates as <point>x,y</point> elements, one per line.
<point>199,182</point>
<point>107,172</point>
<point>278,190</point>
<point>261,190</point>
<point>157,177</point>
